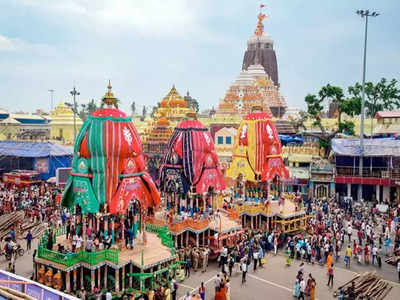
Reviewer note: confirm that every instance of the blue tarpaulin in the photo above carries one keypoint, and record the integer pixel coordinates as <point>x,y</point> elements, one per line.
<point>44,157</point>
<point>33,149</point>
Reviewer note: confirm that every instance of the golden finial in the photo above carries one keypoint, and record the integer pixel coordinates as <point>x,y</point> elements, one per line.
<point>109,97</point>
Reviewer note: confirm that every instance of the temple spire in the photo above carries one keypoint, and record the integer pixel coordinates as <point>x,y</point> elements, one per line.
<point>109,98</point>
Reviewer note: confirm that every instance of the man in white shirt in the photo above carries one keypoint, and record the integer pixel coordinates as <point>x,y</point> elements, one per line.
<point>108,296</point>
<point>217,282</point>
<point>349,232</point>
<point>374,253</point>
<point>302,288</point>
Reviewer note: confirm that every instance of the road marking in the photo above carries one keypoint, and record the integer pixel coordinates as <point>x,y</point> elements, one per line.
<point>186,286</point>
<point>195,289</point>
<point>272,283</point>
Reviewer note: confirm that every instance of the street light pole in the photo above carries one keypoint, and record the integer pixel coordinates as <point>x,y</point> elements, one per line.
<point>363,14</point>
<point>51,95</point>
<point>74,93</point>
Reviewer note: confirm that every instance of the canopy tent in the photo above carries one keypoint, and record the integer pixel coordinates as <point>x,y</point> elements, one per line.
<point>44,157</point>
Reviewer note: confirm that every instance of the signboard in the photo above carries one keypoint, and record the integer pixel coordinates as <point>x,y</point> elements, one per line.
<point>62,175</point>
<point>42,165</point>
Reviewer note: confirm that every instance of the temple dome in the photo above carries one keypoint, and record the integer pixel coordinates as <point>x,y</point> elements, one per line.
<point>173,99</point>
<point>163,122</point>
<point>264,38</point>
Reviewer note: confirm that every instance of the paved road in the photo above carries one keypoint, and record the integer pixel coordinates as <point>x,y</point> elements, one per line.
<point>275,281</point>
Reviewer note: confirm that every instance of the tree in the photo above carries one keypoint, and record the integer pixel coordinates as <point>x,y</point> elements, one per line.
<point>194,105</point>
<point>144,111</point>
<point>298,121</point>
<point>133,107</point>
<point>381,96</point>
<point>154,109</point>
<point>315,107</point>
<point>84,110</point>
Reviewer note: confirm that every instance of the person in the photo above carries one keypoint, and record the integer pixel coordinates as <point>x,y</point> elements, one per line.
<point>374,254</point>
<point>330,274</point>
<point>296,289</point>
<point>202,291</point>
<point>328,262</point>
<point>82,294</point>
<point>188,297</point>
<point>313,285</point>
<point>244,271</point>
<point>28,240</point>
<point>217,282</point>
<point>255,260</point>
<point>228,290</point>
<point>351,291</point>
<point>231,263</point>
<point>187,267</point>
<point>220,293</point>
<point>349,232</point>
<point>378,257</point>
<point>174,288</point>
<point>348,256</point>
<point>12,234</point>
<point>108,241</point>
<point>302,288</point>
<point>167,293</point>
<point>398,268</point>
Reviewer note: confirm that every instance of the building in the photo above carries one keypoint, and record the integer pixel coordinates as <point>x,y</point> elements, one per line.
<point>380,178</point>
<point>173,107</point>
<point>224,141</point>
<point>298,160</point>
<point>62,124</point>
<point>20,126</point>
<point>260,46</point>
<point>388,123</point>
<point>322,179</point>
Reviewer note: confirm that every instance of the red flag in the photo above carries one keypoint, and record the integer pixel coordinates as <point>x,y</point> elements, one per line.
<point>262,5</point>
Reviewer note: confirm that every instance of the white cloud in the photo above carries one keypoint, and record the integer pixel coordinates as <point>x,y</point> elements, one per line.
<point>145,17</point>
<point>18,45</point>
<point>6,44</point>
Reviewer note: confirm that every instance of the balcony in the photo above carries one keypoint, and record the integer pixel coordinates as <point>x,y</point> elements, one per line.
<point>374,172</point>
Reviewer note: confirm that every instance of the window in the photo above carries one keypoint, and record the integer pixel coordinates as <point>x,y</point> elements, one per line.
<point>228,140</point>
<point>220,140</point>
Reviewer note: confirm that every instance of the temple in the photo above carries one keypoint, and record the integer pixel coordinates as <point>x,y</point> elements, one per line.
<point>260,50</point>
<point>173,107</point>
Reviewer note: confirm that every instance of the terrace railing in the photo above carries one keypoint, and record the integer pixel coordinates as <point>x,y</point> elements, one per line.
<point>70,259</point>
<point>375,172</point>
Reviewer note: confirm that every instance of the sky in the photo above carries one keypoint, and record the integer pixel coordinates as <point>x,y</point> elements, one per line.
<point>146,46</point>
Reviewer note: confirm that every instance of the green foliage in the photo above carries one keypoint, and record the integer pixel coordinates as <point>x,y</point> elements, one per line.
<point>298,121</point>
<point>84,110</point>
<point>154,109</point>
<point>315,108</point>
<point>133,107</point>
<point>383,95</point>
<point>144,111</point>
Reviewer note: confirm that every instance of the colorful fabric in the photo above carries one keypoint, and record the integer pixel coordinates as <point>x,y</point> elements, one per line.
<point>188,150</point>
<point>258,150</point>
<point>108,140</point>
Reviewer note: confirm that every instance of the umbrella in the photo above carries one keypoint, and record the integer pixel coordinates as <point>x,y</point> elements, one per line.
<point>51,180</point>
